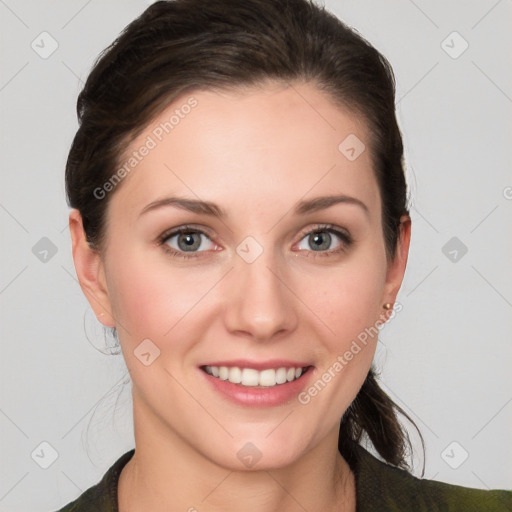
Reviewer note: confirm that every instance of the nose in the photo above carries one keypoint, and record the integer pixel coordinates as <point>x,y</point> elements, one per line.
<point>261,303</point>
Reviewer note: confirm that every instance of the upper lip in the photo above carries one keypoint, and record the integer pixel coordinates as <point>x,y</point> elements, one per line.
<point>259,365</point>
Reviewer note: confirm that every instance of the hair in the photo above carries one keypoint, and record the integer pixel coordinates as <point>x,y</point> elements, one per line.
<point>177,47</point>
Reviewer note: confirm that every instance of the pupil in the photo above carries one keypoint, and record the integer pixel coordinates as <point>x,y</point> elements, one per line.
<point>188,242</point>
<point>319,238</point>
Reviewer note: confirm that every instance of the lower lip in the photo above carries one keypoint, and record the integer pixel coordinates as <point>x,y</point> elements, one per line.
<point>259,397</point>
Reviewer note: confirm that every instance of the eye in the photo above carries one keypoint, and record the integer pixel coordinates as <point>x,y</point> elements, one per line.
<point>321,239</point>
<point>188,239</point>
<point>185,239</point>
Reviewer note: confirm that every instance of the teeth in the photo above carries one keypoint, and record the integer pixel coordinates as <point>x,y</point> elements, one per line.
<point>235,375</point>
<point>281,376</point>
<point>251,377</point>
<point>267,378</point>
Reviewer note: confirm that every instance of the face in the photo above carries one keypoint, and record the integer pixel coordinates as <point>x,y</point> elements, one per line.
<point>264,282</point>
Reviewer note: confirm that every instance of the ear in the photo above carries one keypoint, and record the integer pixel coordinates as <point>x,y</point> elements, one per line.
<point>90,271</point>
<point>396,268</point>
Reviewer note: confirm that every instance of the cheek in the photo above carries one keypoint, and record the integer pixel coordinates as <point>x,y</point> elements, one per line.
<point>348,299</point>
<point>148,298</point>
<point>349,305</point>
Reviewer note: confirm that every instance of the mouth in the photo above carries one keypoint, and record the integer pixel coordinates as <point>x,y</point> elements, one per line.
<point>253,378</point>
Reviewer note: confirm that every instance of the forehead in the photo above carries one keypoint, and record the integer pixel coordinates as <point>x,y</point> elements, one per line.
<point>259,145</point>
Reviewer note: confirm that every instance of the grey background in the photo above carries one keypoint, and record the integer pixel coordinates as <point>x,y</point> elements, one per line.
<point>446,356</point>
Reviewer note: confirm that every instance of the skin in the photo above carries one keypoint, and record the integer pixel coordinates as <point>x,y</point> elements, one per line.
<point>255,153</point>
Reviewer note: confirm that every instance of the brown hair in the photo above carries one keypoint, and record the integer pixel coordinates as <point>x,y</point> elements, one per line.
<point>180,46</point>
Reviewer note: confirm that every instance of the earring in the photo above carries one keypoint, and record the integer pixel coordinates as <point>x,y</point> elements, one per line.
<point>388,305</point>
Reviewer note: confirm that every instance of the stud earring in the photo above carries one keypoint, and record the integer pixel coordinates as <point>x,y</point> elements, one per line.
<point>388,305</point>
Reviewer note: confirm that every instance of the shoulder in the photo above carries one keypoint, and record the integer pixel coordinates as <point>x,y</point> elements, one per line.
<point>101,497</point>
<point>387,488</point>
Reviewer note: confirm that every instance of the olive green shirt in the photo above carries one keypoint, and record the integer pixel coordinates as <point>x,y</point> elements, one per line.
<point>379,488</point>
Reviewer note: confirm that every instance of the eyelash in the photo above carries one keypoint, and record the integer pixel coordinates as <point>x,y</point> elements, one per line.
<point>329,228</point>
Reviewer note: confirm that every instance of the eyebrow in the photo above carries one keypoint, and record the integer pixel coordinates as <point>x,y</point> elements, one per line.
<point>209,208</point>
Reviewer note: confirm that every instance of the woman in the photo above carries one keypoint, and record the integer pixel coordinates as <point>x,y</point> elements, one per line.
<point>240,219</point>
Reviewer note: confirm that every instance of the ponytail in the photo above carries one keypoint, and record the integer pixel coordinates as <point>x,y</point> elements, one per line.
<point>374,413</point>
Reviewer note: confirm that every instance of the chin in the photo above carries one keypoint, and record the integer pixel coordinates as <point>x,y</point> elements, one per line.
<point>255,453</point>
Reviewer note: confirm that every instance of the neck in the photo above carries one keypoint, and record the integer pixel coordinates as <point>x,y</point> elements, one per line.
<point>166,473</point>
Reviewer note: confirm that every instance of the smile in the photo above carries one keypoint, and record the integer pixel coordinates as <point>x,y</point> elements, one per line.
<point>251,377</point>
